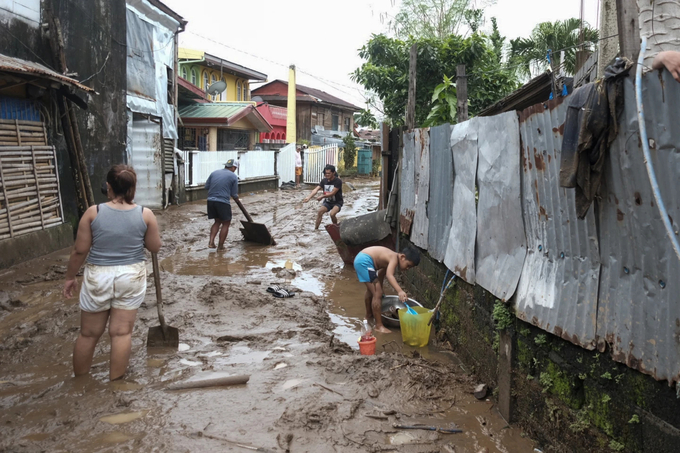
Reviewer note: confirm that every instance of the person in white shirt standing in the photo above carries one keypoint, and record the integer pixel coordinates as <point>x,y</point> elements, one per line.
<point>298,165</point>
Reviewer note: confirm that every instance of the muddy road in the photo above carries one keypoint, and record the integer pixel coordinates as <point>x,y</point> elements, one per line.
<point>309,390</point>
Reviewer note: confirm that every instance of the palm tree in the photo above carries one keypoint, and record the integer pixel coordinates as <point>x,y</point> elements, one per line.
<point>531,53</point>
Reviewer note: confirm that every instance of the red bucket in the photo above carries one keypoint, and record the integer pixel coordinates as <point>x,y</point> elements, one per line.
<point>367,347</point>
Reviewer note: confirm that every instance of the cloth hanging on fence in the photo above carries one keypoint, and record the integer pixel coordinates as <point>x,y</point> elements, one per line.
<point>590,128</point>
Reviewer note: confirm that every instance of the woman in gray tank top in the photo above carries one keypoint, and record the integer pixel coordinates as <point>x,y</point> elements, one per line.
<point>114,234</point>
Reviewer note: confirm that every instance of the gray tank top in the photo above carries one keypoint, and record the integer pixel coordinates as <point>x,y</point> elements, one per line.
<point>117,237</point>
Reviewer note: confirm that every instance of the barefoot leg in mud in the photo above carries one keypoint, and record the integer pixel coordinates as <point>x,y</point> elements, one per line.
<point>223,234</point>
<point>368,298</point>
<point>333,213</point>
<point>376,303</point>
<point>214,229</point>
<point>319,215</point>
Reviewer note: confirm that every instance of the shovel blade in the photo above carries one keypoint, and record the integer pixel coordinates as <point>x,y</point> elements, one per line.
<point>257,232</point>
<point>157,339</point>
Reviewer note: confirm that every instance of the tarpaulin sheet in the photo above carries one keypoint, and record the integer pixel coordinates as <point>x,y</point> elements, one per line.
<point>407,185</point>
<point>151,52</point>
<point>441,191</point>
<point>501,243</point>
<point>460,249</point>
<point>420,222</point>
<point>558,287</point>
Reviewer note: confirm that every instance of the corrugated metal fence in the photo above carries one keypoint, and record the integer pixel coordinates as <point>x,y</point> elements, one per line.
<point>251,164</point>
<point>606,284</point>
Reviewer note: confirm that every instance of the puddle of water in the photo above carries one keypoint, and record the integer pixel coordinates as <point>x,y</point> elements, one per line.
<point>401,438</point>
<point>242,354</point>
<point>155,363</point>
<point>292,383</point>
<point>115,437</point>
<point>127,417</point>
<point>190,362</point>
<point>287,264</point>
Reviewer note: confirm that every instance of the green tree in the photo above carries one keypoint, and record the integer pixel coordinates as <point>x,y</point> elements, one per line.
<point>349,153</point>
<point>429,18</point>
<point>385,72</point>
<point>365,118</point>
<point>443,104</point>
<point>530,54</point>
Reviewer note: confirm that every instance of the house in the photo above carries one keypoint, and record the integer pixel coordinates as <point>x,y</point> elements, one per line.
<point>277,117</point>
<point>151,99</point>
<point>225,120</point>
<point>40,207</point>
<point>313,108</point>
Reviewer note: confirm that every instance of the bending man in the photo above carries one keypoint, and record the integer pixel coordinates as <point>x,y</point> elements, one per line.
<point>221,186</point>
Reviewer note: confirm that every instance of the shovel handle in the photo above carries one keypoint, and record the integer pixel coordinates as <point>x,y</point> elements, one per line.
<point>243,210</point>
<point>159,297</point>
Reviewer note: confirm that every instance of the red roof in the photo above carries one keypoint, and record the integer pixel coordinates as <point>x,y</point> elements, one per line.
<point>276,116</point>
<point>278,90</point>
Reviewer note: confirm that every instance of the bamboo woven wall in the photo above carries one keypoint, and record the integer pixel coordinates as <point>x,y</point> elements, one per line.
<point>29,181</point>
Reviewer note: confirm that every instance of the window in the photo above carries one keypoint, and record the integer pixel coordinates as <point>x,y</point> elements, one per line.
<point>347,125</point>
<point>335,119</point>
<point>184,72</point>
<point>319,119</point>
<point>246,91</point>
<point>223,94</point>
<point>206,80</point>
<point>238,91</point>
<point>214,79</point>
<point>228,139</point>
<point>194,77</point>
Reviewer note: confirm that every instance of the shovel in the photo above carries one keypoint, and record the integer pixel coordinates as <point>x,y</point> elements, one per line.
<point>254,232</point>
<point>162,336</point>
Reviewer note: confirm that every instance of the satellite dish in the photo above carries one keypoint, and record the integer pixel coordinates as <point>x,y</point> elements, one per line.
<point>216,88</point>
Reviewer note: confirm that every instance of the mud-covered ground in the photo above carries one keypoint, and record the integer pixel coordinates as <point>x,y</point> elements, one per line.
<point>309,389</point>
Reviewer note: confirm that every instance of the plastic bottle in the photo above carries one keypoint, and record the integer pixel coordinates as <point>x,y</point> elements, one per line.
<point>366,332</point>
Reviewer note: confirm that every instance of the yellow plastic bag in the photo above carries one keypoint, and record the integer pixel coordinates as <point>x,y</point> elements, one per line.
<point>414,329</point>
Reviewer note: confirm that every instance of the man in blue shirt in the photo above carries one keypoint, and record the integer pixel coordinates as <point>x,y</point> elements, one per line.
<point>221,186</point>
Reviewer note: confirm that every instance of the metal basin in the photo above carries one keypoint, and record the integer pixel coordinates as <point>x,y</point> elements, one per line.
<point>393,301</point>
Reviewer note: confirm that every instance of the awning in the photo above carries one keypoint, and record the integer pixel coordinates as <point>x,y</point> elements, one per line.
<point>187,91</point>
<point>222,114</point>
<point>30,68</point>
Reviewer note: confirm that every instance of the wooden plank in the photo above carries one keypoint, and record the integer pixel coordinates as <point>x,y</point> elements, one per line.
<point>37,188</point>
<point>462,93</point>
<point>627,18</point>
<point>411,105</point>
<point>21,122</point>
<point>9,211</point>
<point>56,173</point>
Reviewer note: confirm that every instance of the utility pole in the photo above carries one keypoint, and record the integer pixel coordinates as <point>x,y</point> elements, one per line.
<point>411,105</point>
<point>608,47</point>
<point>461,93</point>
<point>627,19</point>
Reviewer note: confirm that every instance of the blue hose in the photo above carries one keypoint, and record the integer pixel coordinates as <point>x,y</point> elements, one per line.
<point>648,156</point>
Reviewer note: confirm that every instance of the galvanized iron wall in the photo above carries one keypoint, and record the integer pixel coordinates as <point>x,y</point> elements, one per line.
<point>639,299</point>
<point>441,191</point>
<point>407,186</point>
<point>419,232</point>
<point>558,288</point>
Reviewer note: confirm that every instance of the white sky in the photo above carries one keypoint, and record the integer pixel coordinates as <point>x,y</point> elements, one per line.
<point>322,38</point>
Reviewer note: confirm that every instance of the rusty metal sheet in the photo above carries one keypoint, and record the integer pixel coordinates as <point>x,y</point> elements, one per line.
<point>420,229</point>
<point>407,183</point>
<point>501,244</point>
<point>460,249</point>
<point>19,66</point>
<point>558,287</point>
<point>441,191</point>
<point>639,300</point>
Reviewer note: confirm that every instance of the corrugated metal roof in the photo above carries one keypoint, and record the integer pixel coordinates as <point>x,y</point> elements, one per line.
<point>316,95</point>
<point>213,110</point>
<point>460,250</point>
<point>536,90</point>
<point>19,66</point>
<point>441,191</point>
<point>422,188</point>
<point>639,301</point>
<point>501,241</point>
<point>558,288</point>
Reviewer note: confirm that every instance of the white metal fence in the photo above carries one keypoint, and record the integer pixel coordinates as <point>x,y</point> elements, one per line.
<point>316,159</point>
<point>252,164</point>
<point>285,164</point>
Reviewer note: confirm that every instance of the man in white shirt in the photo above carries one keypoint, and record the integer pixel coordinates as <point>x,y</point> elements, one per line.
<point>298,165</point>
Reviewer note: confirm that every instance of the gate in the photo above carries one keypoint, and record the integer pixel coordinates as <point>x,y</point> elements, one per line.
<point>285,163</point>
<point>316,159</point>
<point>147,160</point>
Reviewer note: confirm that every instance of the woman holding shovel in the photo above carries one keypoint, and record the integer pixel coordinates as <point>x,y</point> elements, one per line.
<point>114,282</point>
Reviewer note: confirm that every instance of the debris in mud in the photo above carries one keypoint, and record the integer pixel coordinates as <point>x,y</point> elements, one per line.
<point>286,274</point>
<point>480,391</point>
<point>119,419</point>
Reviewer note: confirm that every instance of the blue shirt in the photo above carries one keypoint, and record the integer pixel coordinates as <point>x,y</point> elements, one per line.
<point>221,185</point>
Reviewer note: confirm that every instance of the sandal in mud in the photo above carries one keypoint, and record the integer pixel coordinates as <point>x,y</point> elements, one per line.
<point>274,289</point>
<point>282,293</point>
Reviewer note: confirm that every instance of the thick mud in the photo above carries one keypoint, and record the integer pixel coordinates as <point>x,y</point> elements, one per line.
<point>309,389</point>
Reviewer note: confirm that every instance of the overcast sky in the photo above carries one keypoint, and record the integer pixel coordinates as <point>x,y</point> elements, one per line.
<point>322,38</point>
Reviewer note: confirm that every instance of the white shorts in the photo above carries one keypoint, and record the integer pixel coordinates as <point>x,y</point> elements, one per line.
<point>106,287</point>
